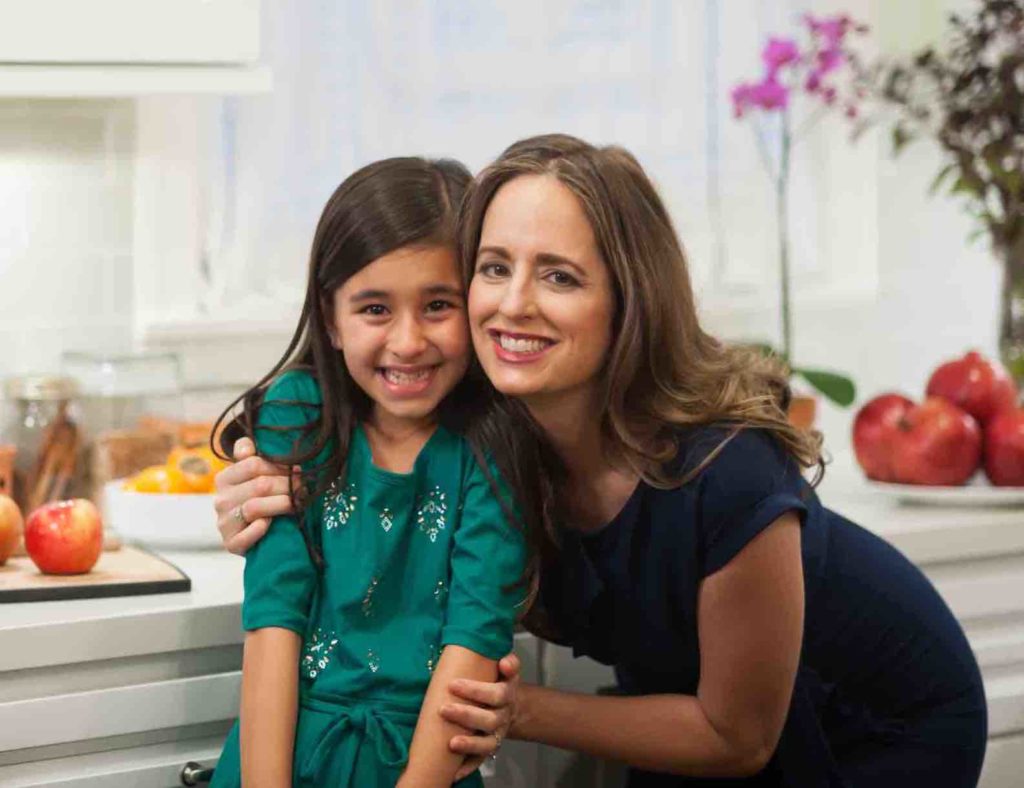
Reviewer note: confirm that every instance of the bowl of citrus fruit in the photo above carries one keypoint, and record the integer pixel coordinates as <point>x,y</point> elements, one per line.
<point>170,505</point>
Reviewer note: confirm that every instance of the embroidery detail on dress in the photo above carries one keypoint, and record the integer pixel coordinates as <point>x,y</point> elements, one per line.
<point>440,592</point>
<point>368,599</point>
<point>431,515</point>
<point>372,661</point>
<point>387,519</point>
<point>317,653</point>
<point>432,658</point>
<point>340,505</point>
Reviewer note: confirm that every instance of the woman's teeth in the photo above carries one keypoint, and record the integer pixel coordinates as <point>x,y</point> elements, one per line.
<point>517,345</point>
<point>405,378</point>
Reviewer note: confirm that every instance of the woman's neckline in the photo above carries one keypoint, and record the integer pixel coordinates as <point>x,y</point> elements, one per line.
<point>597,533</point>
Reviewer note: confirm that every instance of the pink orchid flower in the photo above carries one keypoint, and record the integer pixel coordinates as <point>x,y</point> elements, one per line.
<point>779,52</point>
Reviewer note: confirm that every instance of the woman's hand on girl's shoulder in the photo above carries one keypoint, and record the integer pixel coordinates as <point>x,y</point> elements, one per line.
<point>249,494</point>
<point>490,708</point>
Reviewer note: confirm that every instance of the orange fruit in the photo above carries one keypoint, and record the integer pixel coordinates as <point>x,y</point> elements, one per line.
<point>156,479</point>
<point>194,468</point>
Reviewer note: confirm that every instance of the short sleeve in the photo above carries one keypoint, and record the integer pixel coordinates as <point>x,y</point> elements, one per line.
<point>279,575</point>
<point>488,556</point>
<point>750,484</point>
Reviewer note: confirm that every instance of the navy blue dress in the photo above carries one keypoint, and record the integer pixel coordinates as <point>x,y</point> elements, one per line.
<point>888,692</point>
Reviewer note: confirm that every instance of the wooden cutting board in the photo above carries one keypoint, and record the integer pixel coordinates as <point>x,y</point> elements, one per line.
<point>129,571</point>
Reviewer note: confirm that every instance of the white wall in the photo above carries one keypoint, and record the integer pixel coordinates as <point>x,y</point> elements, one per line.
<point>73,209</point>
<point>65,229</point>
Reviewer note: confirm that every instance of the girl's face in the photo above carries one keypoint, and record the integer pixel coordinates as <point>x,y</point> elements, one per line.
<point>400,324</point>
<point>541,301</point>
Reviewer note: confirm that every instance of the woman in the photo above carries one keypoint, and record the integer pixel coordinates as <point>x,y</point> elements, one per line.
<point>759,639</point>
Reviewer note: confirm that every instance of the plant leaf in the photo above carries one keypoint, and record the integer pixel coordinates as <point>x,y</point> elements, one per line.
<point>944,173</point>
<point>838,388</point>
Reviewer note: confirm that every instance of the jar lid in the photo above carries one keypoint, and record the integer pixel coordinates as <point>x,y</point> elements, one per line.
<point>41,387</point>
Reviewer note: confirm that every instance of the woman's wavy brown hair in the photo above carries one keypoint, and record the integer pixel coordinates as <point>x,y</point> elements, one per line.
<point>663,372</point>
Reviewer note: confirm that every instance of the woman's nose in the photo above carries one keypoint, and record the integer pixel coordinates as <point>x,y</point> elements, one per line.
<point>407,339</point>
<point>517,301</point>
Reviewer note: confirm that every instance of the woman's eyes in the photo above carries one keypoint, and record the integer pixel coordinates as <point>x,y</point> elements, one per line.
<point>492,269</point>
<point>374,310</point>
<point>561,278</point>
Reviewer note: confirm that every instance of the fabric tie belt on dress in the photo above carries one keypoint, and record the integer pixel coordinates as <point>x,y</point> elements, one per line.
<point>375,740</point>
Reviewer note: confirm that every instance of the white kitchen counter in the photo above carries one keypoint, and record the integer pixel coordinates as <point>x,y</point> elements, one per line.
<point>124,690</point>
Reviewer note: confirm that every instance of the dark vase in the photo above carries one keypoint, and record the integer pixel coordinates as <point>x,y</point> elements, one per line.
<point>1011,323</point>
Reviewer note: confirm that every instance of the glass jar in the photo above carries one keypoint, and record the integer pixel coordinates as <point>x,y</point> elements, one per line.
<point>44,432</point>
<point>116,391</point>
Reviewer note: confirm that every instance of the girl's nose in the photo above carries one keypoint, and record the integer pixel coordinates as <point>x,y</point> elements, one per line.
<point>407,339</point>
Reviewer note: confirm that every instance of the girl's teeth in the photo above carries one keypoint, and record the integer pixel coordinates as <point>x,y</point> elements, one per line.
<point>401,378</point>
<point>522,345</point>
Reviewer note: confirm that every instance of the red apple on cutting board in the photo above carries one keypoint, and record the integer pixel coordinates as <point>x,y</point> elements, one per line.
<point>979,385</point>
<point>10,527</point>
<point>1004,448</point>
<point>64,537</point>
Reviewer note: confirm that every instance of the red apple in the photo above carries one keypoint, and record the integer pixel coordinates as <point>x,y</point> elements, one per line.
<point>874,430</point>
<point>979,385</point>
<point>10,527</point>
<point>938,443</point>
<point>64,537</point>
<point>1004,448</point>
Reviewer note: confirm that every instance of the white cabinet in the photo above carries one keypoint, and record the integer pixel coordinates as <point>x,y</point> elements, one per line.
<point>70,48</point>
<point>129,31</point>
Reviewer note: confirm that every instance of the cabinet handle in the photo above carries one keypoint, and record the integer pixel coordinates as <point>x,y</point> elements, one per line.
<point>193,773</point>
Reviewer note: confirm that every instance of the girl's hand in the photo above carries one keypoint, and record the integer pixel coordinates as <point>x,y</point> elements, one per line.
<point>491,709</point>
<point>249,494</point>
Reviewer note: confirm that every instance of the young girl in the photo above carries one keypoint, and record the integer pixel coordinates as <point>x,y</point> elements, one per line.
<point>400,570</point>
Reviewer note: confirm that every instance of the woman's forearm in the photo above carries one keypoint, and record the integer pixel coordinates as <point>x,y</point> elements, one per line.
<point>270,683</point>
<point>667,733</point>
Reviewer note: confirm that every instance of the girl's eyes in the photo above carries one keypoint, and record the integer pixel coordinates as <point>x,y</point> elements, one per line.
<point>439,306</point>
<point>379,310</point>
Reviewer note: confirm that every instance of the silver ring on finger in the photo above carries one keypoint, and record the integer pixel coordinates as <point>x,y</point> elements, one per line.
<point>240,517</point>
<point>497,745</point>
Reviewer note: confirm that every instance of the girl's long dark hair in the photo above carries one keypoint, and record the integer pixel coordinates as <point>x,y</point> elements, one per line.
<point>383,207</point>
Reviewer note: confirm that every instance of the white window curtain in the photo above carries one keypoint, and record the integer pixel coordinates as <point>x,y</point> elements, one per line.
<point>356,81</point>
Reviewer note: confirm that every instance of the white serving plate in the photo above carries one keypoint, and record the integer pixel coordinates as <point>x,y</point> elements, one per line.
<point>976,493</point>
<point>167,520</point>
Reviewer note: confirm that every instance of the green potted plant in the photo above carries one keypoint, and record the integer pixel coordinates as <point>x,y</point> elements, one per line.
<point>968,96</point>
<point>824,74</point>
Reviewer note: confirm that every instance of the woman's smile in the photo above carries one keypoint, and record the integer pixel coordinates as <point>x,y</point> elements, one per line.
<point>519,348</point>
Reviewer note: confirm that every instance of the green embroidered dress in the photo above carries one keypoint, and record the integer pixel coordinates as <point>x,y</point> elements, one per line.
<point>413,562</point>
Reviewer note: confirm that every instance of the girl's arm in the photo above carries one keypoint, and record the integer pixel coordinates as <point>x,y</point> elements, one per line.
<point>750,616</point>
<point>270,682</point>
<point>431,763</point>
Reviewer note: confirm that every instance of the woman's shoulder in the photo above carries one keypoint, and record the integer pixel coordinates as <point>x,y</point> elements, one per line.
<point>737,461</point>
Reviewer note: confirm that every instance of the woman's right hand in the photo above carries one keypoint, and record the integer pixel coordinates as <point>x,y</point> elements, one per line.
<point>489,708</point>
<point>249,494</point>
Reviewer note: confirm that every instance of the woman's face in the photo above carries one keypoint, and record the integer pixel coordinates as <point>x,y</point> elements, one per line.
<point>541,301</point>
